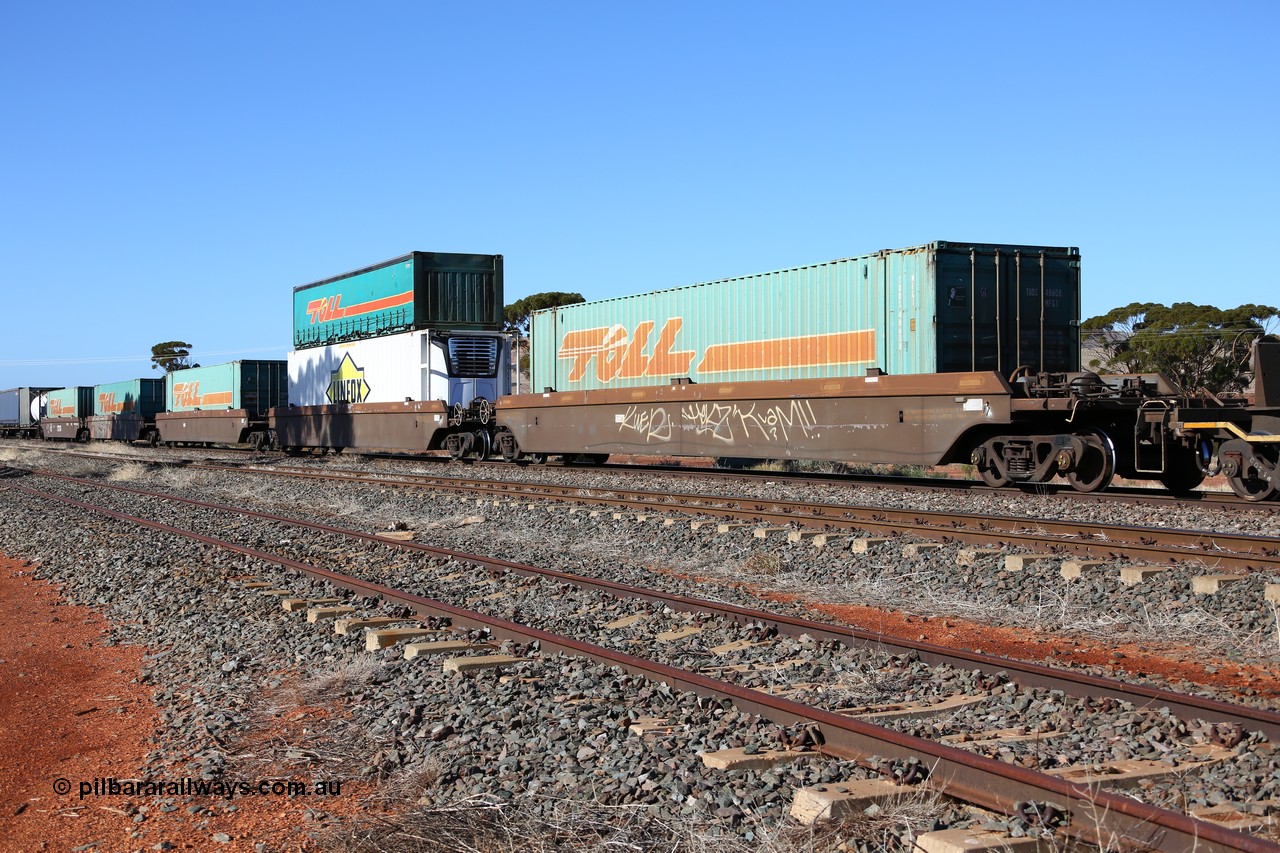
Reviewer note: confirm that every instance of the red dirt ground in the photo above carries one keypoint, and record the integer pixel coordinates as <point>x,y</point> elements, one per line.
<point>72,709</point>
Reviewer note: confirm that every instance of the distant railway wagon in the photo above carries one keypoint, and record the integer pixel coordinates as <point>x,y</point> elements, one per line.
<point>126,411</point>
<point>21,410</point>
<point>420,290</point>
<point>223,403</point>
<point>938,308</point>
<point>66,413</point>
<point>406,391</point>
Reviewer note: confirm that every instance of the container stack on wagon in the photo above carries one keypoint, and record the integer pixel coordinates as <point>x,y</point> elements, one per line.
<point>126,411</point>
<point>66,413</point>
<point>398,355</point>
<point>21,410</point>
<point>888,357</point>
<point>223,403</point>
<point>939,308</point>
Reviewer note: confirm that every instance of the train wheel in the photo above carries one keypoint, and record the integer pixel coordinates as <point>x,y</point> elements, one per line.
<point>983,462</point>
<point>1095,468</point>
<point>482,445</point>
<point>993,477</point>
<point>508,447</point>
<point>457,446</point>
<point>536,458</point>
<point>1238,464</point>
<point>1182,471</point>
<point>1252,488</point>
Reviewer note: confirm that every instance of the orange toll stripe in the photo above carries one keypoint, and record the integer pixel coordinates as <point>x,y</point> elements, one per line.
<point>804,351</point>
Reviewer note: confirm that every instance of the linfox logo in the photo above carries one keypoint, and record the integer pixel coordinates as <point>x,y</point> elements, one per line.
<point>346,384</point>
<point>186,393</point>
<point>622,355</point>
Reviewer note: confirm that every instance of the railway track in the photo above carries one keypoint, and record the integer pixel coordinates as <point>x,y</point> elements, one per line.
<point>1157,545</point>
<point>1219,500</point>
<point>1097,815</point>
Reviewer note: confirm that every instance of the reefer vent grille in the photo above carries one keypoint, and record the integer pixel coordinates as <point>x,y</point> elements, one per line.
<point>473,357</point>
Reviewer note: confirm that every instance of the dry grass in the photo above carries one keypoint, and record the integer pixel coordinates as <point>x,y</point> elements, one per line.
<point>128,472</point>
<point>302,722</point>
<point>763,563</point>
<point>533,824</point>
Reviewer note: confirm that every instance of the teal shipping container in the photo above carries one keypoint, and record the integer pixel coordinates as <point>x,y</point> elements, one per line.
<point>939,308</point>
<point>74,402</point>
<point>143,397</point>
<point>255,386</point>
<point>420,290</point>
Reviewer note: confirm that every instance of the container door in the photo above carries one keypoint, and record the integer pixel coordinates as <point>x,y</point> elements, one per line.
<point>907,327</point>
<point>974,299</point>
<point>1042,290</point>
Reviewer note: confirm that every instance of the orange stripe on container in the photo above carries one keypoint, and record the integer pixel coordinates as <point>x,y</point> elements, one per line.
<point>378,304</point>
<point>804,351</point>
<point>215,398</point>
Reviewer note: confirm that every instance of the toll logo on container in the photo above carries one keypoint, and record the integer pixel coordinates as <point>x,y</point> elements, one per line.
<point>186,395</point>
<point>619,354</point>
<point>327,309</point>
<point>346,384</point>
<point>107,403</point>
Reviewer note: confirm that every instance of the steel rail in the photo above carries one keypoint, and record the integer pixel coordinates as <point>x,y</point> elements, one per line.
<point>1154,496</point>
<point>1153,544</point>
<point>1099,816</point>
<point>1028,673</point>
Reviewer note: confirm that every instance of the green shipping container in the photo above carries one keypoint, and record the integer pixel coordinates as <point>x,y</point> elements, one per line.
<point>143,397</point>
<point>938,308</point>
<point>73,402</point>
<point>438,290</point>
<point>255,386</point>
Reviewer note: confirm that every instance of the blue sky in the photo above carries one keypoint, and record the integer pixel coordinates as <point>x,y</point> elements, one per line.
<point>173,170</point>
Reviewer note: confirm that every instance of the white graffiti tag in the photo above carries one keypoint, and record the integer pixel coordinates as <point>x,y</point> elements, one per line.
<point>653,424</point>
<point>731,423</point>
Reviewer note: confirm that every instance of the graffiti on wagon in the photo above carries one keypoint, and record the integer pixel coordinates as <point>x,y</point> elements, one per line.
<point>727,423</point>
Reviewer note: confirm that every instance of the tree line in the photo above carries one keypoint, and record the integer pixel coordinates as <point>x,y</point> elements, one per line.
<point>1198,346</point>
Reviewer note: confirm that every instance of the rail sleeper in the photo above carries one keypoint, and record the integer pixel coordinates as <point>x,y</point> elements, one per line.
<point>843,799</point>
<point>962,840</point>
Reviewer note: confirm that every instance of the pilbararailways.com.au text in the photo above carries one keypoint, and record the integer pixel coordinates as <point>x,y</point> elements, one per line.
<point>188,787</point>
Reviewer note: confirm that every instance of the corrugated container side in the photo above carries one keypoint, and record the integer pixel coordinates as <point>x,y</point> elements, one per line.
<point>420,290</point>
<point>943,307</point>
<point>253,385</point>
<point>22,407</point>
<point>1000,307</point>
<point>73,402</point>
<point>459,291</point>
<point>11,406</point>
<point>144,397</point>
<point>805,323</point>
